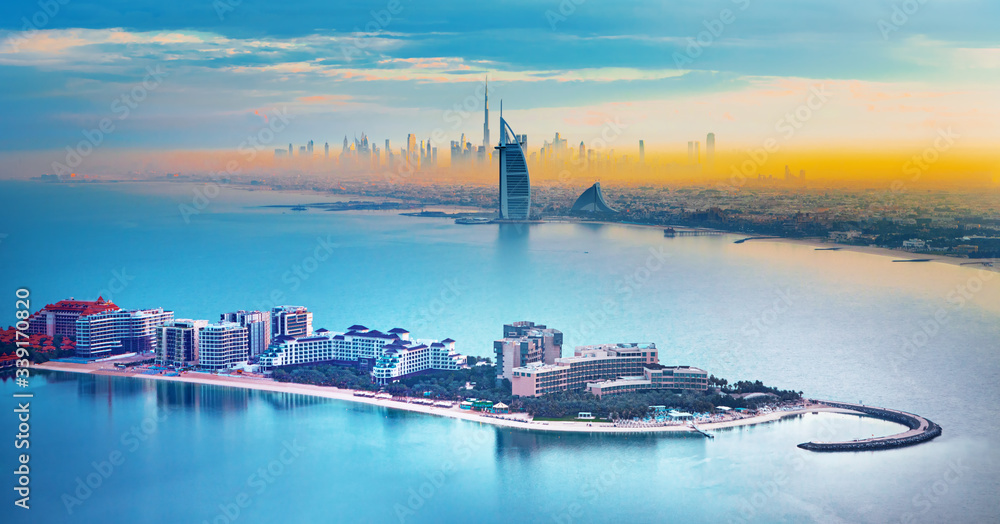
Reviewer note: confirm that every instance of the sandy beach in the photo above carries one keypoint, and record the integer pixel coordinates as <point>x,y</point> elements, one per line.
<point>514,420</point>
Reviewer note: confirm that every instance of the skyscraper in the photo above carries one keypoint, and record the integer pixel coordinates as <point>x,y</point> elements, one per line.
<point>486,117</point>
<point>411,147</point>
<point>710,150</point>
<point>289,149</point>
<point>697,152</point>
<point>690,152</point>
<point>326,149</point>
<point>309,148</point>
<point>515,186</point>
<point>642,152</point>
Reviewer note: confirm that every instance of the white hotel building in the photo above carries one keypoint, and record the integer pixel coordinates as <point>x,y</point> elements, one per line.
<point>120,331</point>
<point>222,345</point>
<point>392,355</point>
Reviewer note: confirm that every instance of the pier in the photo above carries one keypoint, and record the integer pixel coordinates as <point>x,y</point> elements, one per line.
<point>700,431</point>
<point>671,232</point>
<point>921,430</point>
<point>742,240</point>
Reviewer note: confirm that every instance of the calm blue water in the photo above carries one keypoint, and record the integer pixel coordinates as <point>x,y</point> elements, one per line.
<point>833,324</point>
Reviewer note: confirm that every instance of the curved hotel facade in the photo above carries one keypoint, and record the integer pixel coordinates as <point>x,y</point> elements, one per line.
<point>515,187</point>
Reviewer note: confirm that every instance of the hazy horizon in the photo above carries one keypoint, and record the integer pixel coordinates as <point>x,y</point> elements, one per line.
<point>843,90</point>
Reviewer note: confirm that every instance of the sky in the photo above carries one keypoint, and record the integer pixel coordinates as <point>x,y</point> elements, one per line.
<point>163,78</point>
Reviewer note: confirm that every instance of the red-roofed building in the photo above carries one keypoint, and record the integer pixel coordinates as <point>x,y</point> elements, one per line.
<point>60,318</point>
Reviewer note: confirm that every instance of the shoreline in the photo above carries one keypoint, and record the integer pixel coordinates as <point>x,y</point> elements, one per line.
<point>895,254</point>
<point>515,420</point>
<point>812,242</point>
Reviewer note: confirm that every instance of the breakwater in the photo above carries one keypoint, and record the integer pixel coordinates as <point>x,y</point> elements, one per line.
<point>921,430</point>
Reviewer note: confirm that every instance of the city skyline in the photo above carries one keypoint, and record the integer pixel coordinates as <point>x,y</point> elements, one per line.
<point>184,92</point>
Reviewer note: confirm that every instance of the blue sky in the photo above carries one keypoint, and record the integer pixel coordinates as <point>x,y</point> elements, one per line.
<point>568,66</point>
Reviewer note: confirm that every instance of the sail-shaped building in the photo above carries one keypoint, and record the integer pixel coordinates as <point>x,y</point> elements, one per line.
<point>515,187</point>
<point>592,201</point>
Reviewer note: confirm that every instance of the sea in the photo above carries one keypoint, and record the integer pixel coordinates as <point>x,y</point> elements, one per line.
<point>839,325</point>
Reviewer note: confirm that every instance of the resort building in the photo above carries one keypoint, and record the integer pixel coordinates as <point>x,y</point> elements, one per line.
<point>222,345</point>
<point>291,321</point>
<point>59,319</point>
<point>402,359</point>
<point>526,343</point>
<point>592,202</point>
<point>258,324</point>
<point>654,377</point>
<point>177,342</point>
<point>360,346</point>
<point>589,364</point>
<point>119,331</point>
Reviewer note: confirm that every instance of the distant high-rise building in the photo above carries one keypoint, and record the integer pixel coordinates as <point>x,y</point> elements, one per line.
<point>326,149</point>
<point>347,146</point>
<point>309,148</point>
<point>690,152</point>
<point>697,152</point>
<point>515,186</point>
<point>280,153</point>
<point>258,324</point>
<point>788,173</point>
<point>222,345</point>
<point>292,321</point>
<point>411,147</point>
<point>642,152</point>
<point>289,149</point>
<point>177,342</point>
<point>486,116</point>
<point>710,150</point>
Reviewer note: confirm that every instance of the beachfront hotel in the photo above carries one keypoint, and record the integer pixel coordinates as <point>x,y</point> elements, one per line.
<point>526,343</point>
<point>177,342</point>
<point>258,324</point>
<point>363,347</point>
<point>59,319</point>
<point>119,331</point>
<point>654,377</point>
<point>401,359</point>
<point>291,321</point>
<point>589,364</point>
<point>222,345</point>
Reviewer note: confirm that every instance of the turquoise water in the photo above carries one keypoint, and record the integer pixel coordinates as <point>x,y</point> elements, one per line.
<point>833,324</point>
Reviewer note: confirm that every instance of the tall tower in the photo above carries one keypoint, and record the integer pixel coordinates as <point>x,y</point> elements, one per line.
<point>710,150</point>
<point>411,147</point>
<point>642,153</point>
<point>515,186</point>
<point>486,117</point>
